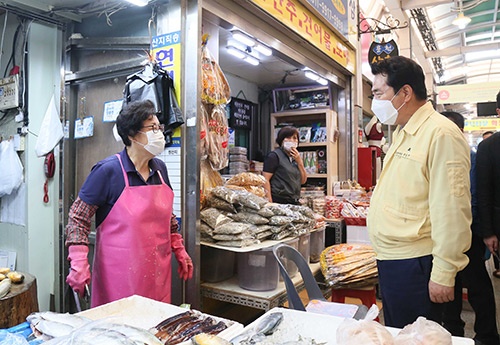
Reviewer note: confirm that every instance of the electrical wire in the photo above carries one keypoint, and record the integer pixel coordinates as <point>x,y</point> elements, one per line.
<point>3,35</point>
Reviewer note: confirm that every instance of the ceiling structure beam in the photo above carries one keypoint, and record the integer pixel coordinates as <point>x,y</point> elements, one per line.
<point>411,4</point>
<point>452,51</point>
<point>36,6</point>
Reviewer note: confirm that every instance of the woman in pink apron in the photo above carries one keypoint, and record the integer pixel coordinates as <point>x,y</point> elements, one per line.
<point>130,195</point>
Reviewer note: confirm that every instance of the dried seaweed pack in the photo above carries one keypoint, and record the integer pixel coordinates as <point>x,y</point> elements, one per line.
<point>213,217</point>
<point>249,217</point>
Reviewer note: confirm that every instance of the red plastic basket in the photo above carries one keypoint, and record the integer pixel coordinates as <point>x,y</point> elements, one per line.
<point>355,221</point>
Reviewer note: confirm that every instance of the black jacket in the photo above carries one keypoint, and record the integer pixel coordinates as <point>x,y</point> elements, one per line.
<point>488,185</point>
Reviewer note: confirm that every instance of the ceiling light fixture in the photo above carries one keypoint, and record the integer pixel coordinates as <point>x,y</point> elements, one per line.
<point>461,20</point>
<point>313,76</point>
<point>263,49</point>
<point>251,43</point>
<point>241,37</point>
<point>250,57</point>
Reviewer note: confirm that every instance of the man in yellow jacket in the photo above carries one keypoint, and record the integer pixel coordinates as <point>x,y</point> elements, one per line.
<point>420,212</point>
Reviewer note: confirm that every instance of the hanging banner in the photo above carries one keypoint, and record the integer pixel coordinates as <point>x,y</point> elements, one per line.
<point>382,50</point>
<point>166,49</point>
<point>482,125</point>
<point>298,18</point>
<point>467,93</point>
<point>334,11</point>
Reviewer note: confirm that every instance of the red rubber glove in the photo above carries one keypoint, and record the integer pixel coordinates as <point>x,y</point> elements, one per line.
<point>185,268</point>
<point>79,273</point>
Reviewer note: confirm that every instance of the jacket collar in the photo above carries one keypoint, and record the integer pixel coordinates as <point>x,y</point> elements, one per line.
<point>418,118</point>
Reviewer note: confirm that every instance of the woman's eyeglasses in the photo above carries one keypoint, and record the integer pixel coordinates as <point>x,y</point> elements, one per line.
<point>155,128</point>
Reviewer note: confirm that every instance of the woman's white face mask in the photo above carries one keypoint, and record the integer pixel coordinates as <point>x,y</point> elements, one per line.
<point>384,110</point>
<point>288,145</point>
<point>156,142</point>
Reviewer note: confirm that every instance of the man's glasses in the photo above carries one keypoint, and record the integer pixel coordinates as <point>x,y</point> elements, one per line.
<point>155,128</point>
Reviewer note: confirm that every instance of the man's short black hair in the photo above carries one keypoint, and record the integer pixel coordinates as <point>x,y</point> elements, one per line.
<point>498,100</point>
<point>402,71</point>
<point>455,117</point>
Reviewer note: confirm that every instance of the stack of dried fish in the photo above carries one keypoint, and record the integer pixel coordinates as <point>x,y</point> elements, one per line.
<point>348,264</point>
<point>238,218</point>
<point>184,326</point>
<point>47,325</point>
<point>106,333</point>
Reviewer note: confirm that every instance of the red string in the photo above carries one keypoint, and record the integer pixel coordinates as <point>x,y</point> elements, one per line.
<point>46,191</point>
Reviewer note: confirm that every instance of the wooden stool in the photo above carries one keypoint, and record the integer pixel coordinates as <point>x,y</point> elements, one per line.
<point>368,295</point>
<point>21,301</point>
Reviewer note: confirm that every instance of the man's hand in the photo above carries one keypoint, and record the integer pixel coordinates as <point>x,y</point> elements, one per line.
<point>492,243</point>
<point>440,293</point>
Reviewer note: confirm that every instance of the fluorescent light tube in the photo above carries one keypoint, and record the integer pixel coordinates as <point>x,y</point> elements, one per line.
<point>239,36</point>
<point>311,75</point>
<point>236,52</point>
<point>251,60</point>
<point>263,49</point>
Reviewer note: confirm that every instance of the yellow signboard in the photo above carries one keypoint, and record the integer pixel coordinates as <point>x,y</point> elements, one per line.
<point>298,18</point>
<point>166,49</point>
<point>467,93</point>
<point>482,125</point>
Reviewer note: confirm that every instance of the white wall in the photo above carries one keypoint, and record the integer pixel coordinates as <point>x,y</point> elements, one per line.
<point>36,243</point>
<point>238,84</point>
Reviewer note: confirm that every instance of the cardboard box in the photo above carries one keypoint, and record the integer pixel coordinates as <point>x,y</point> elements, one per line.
<point>357,234</point>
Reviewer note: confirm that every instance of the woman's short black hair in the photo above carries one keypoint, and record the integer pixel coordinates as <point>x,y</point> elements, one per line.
<point>286,132</point>
<point>401,71</point>
<point>131,119</point>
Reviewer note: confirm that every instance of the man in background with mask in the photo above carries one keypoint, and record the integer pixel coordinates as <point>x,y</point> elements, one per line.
<point>420,212</point>
<point>284,169</point>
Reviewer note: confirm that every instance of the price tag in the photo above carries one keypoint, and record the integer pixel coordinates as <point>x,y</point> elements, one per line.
<point>111,110</point>
<point>84,128</point>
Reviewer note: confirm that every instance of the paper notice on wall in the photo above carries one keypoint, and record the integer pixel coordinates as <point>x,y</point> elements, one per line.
<point>13,207</point>
<point>8,259</point>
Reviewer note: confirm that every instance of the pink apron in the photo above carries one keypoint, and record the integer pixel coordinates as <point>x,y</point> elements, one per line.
<point>133,249</point>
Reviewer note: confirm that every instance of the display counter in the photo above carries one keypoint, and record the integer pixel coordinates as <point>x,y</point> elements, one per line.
<point>309,328</point>
<point>230,291</point>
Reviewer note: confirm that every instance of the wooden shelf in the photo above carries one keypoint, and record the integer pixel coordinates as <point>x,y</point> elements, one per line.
<point>307,118</point>
<point>320,144</point>
<point>317,175</point>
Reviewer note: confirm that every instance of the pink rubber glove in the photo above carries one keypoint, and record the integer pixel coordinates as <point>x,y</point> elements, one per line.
<point>185,268</point>
<point>79,274</point>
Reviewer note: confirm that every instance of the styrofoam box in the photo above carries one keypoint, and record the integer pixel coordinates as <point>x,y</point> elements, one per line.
<point>318,327</point>
<point>146,313</point>
<point>357,234</point>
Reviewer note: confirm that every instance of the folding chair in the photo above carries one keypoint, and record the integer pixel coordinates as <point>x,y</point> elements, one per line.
<point>285,252</point>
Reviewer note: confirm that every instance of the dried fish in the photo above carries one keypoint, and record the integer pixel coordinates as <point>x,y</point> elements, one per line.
<point>232,228</point>
<point>238,243</point>
<point>209,339</point>
<point>248,217</point>
<point>250,200</point>
<point>243,236</point>
<point>280,220</point>
<point>213,217</point>
<point>256,335</point>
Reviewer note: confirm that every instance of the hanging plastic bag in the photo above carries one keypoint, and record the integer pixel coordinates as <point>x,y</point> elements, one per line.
<point>366,331</point>
<point>51,130</point>
<point>12,169</point>
<point>215,88</point>
<point>154,84</point>
<point>7,338</point>
<point>423,332</point>
<point>218,138</point>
